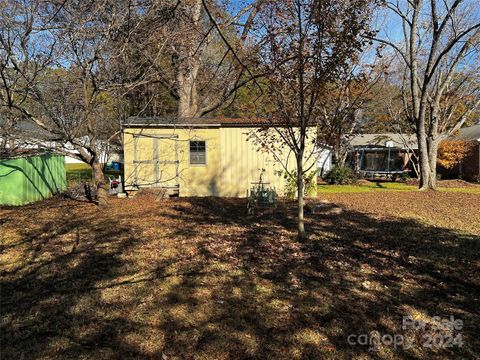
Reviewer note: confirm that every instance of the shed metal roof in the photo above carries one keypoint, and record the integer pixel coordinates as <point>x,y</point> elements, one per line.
<point>164,121</point>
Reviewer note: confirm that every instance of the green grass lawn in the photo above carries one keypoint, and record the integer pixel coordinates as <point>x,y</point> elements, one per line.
<point>83,172</point>
<point>78,173</point>
<point>365,187</point>
<point>387,186</point>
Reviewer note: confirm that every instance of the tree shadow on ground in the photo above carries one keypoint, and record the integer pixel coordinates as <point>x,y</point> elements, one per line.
<point>198,278</point>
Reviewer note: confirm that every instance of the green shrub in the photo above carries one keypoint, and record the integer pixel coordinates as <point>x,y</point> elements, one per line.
<point>340,175</point>
<point>405,177</point>
<point>309,181</point>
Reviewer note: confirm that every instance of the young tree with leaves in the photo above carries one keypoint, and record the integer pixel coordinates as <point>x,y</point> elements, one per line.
<point>306,44</point>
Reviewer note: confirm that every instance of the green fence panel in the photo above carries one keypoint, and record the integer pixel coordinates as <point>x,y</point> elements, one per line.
<point>28,179</point>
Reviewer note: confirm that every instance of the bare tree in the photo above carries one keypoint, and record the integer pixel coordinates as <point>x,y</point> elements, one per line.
<point>55,73</point>
<point>439,50</point>
<point>196,49</point>
<point>21,63</point>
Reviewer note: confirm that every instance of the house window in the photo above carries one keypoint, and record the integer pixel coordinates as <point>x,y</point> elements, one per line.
<point>198,153</point>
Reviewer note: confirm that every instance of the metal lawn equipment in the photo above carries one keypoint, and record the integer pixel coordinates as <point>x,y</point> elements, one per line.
<point>260,196</point>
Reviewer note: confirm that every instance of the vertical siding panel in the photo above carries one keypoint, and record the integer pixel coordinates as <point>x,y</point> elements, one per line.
<point>225,161</point>
<point>34,178</point>
<point>235,161</point>
<point>221,149</point>
<point>253,162</point>
<point>238,164</point>
<point>256,161</point>
<point>27,173</point>
<point>233,165</point>
<point>242,159</point>
<point>247,160</point>
<point>237,148</point>
<point>222,171</point>
<point>243,171</point>
<point>229,163</point>
<point>23,199</point>
<point>250,162</point>
<point>222,175</point>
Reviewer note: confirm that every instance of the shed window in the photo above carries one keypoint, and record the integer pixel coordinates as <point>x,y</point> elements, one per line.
<point>198,153</point>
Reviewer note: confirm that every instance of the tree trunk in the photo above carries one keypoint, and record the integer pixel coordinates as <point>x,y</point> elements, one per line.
<point>432,158</point>
<point>423,157</point>
<point>187,88</point>
<point>341,158</point>
<point>427,149</point>
<point>432,143</point>
<point>301,235</point>
<point>100,184</point>
<point>189,57</point>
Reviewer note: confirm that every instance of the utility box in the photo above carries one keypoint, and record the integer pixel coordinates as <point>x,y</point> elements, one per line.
<point>27,176</point>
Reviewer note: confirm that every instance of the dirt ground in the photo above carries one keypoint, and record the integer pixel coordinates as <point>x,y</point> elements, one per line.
<point>197,278</point>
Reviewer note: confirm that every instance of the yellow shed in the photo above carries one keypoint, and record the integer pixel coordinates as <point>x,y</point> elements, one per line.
<point>205,156</point>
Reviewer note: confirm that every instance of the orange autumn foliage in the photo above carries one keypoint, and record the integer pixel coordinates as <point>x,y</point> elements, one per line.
<point>452,152</point>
